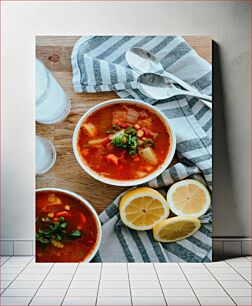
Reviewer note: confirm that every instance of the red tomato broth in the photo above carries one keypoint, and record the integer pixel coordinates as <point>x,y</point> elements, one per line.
<point>77,217</point>
<point>128,167</point>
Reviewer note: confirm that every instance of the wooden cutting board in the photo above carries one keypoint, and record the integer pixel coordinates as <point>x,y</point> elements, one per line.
<point>55,53</point>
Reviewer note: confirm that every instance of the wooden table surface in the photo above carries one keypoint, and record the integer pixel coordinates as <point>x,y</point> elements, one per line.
<point>55,53</point>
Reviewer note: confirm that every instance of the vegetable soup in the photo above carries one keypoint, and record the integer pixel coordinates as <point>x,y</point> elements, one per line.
<point>66,230</point>
<point>123,141</point>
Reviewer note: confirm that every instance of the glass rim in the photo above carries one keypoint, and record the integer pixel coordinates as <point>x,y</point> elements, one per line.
<point>54,155</point>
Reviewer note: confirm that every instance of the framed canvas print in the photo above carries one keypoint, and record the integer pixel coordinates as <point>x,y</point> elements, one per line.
<point>123,149</point>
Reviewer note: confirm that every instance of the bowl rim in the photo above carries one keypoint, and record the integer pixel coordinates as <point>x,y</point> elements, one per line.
<point>90,207</point>
<point>133,182</point>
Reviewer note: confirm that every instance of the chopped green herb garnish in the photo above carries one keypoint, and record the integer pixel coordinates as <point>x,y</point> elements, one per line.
<point>75,234</point>
<point>130,130</point>
<point>57,237</point>
<point>132,144</point>
<point>63,225</point>
<point>43,240</point>
<point>127,140</point>
<point>148,143</point>
<point>55,231</point>
<point>116,127</point>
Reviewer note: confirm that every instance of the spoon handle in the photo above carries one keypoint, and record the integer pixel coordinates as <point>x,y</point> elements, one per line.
<point>188,87</point>
<point>198,95</point>
<point>205,99</point>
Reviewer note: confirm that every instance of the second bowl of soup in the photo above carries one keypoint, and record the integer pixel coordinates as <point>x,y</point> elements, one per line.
<point>124,142</point>
<point>68,228</point>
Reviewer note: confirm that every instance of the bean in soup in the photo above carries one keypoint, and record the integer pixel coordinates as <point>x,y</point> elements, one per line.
<point>123,141</point>
<point>66,230</point>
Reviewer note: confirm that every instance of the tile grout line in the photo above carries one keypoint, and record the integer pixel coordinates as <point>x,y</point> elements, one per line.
<point>16,276</point>
<point>246,258</point>
<point>220,284</point>
<point>9,257</point>
<point>74,273</point>
<point>241,247</point>
<point>222,246</point>
<point>239,273</point>
<point>131,298</point>
<point>69,285</point>
<point>96,300</point>
<point>41,283</point>
<point>190,284</point>
<point>160,283</point>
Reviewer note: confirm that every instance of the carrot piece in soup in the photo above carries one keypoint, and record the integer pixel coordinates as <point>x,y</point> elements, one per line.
<point>82,218</point>
<point>63,214</point>
<point>85,152</point>
<point>112,158</point>
<point>136,158</point>
<point>122,124</point>
<point>90,242</point>
<point>147,132</point>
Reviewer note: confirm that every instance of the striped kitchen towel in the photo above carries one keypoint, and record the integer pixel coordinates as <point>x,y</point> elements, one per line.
<point>99,64</point>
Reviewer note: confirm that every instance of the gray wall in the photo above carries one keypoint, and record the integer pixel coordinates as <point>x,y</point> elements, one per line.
<point>229,25</point>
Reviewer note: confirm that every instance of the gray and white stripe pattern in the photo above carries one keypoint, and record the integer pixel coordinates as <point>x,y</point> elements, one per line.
<point>99,65</point>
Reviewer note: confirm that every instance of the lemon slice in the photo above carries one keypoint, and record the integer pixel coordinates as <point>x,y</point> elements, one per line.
<point>176,228</point>
<point>188,198</point>
<point>142,208</point>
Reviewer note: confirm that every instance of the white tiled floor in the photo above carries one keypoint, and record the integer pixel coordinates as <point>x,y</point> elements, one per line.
<point>24,282</point>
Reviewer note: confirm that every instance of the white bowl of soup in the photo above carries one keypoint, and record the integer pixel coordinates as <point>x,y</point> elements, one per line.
<point>68,228</point>
<point>124,142</point>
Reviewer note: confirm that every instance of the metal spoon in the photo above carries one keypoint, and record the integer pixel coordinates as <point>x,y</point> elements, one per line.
<point>160,87</point>
<point>144,61</point>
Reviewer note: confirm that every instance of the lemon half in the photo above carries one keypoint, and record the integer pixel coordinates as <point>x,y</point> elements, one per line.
<point>176,228</point>
<point>142,208</point>
<point>188,198</point>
